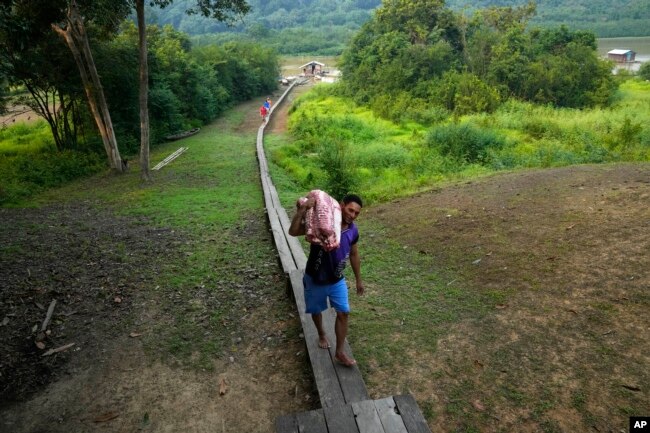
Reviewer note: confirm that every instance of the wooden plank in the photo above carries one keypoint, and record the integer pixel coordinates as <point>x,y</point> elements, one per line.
<point>286,424</point>
<point>350,379</point>
<point>299,294</point>
<point>293,243</point>
<point>170,158</point>
<point>274,195</point>
<point>261,156</point>
<point>281,244</point>
<point>340,419</point>
<point>295,246</point>
<point>274,202</point>
<point>267,193</point>
<point>281,98</point>
<point>299,256</point>
<point>311,422</point>
<point>411,415</point>
<point>329,388</point>
<point>286,258</point>
<point>367,418</point>
<point>286,254</point>
<point>390,419</point>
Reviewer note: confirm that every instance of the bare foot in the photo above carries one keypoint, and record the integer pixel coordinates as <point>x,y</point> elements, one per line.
<point>344,359</point>
<point>323,342</point>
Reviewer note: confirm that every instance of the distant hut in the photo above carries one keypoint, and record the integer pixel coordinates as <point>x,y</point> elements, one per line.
<point>312,68</point>
<point>621,56</point>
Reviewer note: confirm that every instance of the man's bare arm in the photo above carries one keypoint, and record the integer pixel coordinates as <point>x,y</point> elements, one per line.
<point>297,228</point>
<point>355,263</point>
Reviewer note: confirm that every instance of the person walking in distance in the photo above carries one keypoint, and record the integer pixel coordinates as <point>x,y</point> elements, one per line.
<point>263,113</point>
<point>324,278</point>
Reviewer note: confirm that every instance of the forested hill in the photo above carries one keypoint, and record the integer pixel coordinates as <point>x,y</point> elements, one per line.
<point>271,15</point>
<point>606,18</point>
<point>297,18</point>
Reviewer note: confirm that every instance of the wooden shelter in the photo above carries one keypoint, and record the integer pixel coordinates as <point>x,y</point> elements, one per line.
<point>312,68</point>
<point>621,56</point>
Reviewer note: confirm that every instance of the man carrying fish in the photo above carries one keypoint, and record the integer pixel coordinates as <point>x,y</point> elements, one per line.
<point>324,277</point>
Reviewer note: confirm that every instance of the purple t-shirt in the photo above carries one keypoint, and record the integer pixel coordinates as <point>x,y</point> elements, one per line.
<point>327,267</point>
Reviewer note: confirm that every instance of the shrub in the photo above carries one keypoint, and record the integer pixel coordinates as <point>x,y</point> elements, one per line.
<point>464,142</point>
<point>465,93</point>
<point>539,127</point>
<point>340,177</point>
<point>378,155</point>
<point>27,174</point>
<point>644,71</point>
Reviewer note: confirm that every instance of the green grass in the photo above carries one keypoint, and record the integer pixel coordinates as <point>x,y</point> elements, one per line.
<point>405,301</point>
<point>25,138</point>
<point>30,163</point>
<point>386,160</point>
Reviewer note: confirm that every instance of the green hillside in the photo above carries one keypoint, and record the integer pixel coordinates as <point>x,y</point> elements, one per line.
<point>325,26</point>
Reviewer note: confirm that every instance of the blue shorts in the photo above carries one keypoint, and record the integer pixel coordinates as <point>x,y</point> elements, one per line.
<point>316,296</point>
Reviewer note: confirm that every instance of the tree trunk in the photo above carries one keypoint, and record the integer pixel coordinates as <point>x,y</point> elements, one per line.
<point>144,93</point>
<point>76,38</point>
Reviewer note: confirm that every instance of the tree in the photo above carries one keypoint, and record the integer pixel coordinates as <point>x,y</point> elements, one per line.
<point>424,21</point>
<point>73,30</point>
<point>222,10</point>
<point>566,71</point>
<point>3,94</point>
<point>144,91</point>
<point>48,74</point>
<point>46,69</point>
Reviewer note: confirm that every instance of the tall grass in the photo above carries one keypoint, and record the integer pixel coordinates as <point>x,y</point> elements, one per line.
<point>25,138</point>
<point>385,159</point>
<point>30,163</point>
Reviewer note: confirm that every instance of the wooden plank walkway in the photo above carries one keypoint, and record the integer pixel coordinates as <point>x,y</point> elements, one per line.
<point>346,406</point>
<point>399,414</point>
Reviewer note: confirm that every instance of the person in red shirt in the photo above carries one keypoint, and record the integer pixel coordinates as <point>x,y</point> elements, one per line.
<point>263,112</point>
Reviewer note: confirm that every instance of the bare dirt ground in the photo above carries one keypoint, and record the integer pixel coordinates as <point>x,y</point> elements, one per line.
<point>565,253</point>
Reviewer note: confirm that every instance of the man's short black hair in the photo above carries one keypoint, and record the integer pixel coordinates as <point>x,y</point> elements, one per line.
<point>353,198</point>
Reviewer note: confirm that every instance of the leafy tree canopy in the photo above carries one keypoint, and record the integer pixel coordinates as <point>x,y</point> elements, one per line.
<point>422,50</point>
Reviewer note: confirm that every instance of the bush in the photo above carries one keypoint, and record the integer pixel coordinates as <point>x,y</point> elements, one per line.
<point>465,93</point>
<point>27,174</point>
<point>464,142</point>
<point>539,127</point>
<point>340,177</point>
<point>644,71</point>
